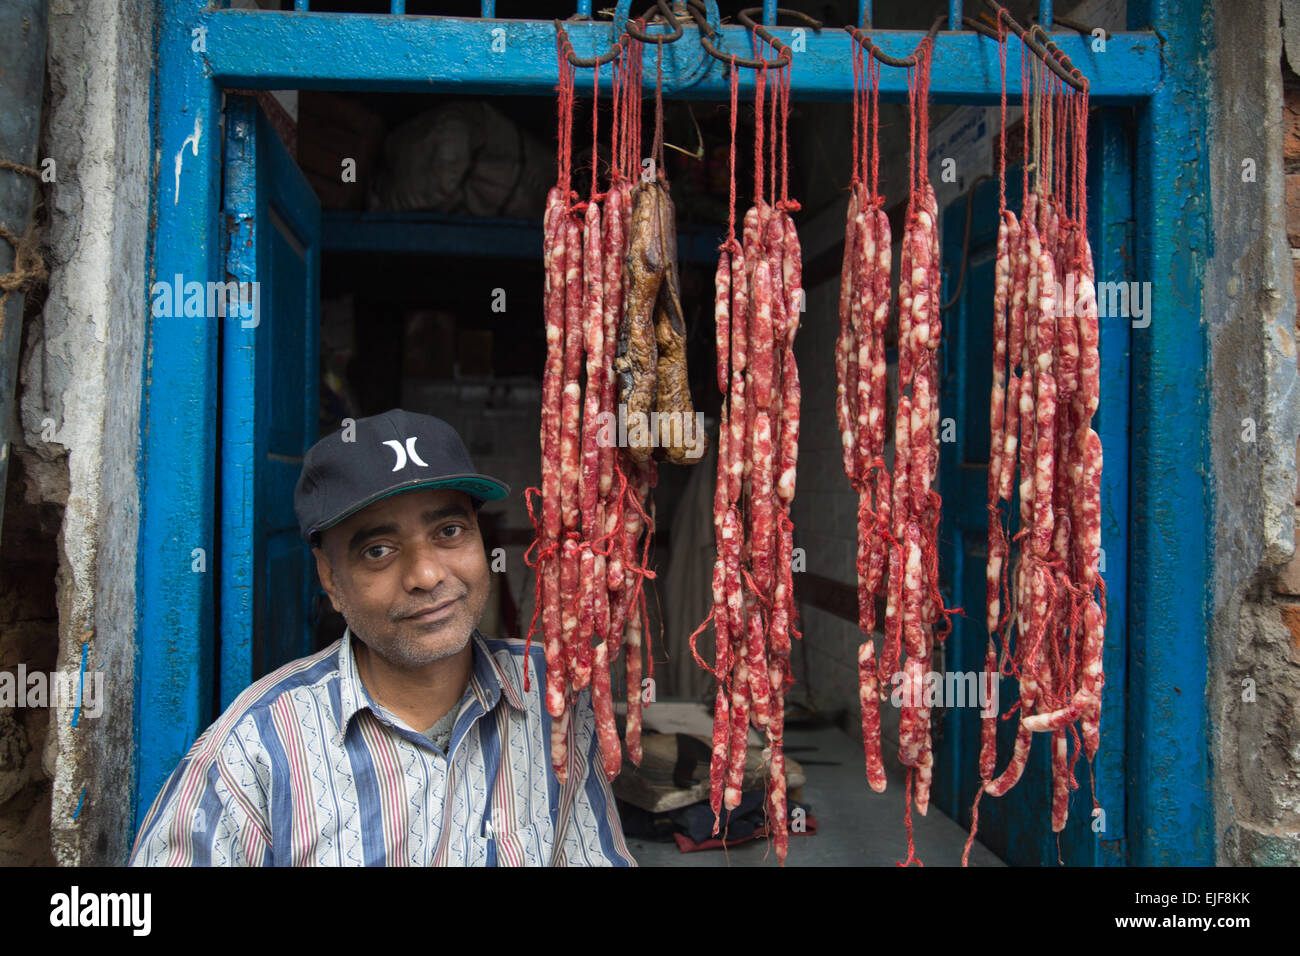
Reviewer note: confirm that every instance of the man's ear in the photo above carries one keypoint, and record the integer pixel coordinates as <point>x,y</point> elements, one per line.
<point>325,571</point>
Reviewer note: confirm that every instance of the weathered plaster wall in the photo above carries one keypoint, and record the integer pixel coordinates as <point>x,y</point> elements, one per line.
<point>81,397</point>
<point>1250,311</point>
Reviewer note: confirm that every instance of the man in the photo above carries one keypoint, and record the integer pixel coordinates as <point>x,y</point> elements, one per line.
<point>410,741</point>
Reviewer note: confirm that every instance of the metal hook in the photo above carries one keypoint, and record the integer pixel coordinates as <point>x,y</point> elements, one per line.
<point>884,57</point>
<point>1048,52</point>
<point>586,62</point>
<point>746,17</point>
<point>1074,77</point>
<point>981,27</point>
<point>666,13</point>
<point>708,35</point>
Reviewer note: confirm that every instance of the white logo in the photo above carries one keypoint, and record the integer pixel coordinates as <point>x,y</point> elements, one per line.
<point>403,453</point>
<point>133,910</point>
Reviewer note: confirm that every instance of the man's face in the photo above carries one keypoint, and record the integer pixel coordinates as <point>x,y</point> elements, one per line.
<point>409,574</point>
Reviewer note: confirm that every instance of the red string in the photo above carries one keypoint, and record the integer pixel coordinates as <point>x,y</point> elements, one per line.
<point>616,120</point>
<point>974,810</point>
<point>923,93</point>
<point>1002,134</point>
<point>873,79</point>
<point>658,152</point>
<point>771,141</point>
<point>595,139</point>
<point>637,103</point>
<point>564,133</point>
<point>912,79</point>
<point>759,88</point>
<point>1081,161</point>
<point>867,106</point>
<point>907,821</point>
<point>1026,160</point>
<point>1058,122</point>
<point>731,206</point>
<point>543,555</point>
<point>857,113</point>
<point>785,136</point>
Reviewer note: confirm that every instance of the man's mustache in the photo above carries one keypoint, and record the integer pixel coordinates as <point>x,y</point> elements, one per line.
<point>425,606</point>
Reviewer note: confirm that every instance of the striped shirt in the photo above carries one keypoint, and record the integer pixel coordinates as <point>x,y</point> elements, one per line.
<point>306,769</point>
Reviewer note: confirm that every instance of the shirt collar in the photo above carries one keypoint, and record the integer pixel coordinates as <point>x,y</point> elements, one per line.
<point>487,681</point>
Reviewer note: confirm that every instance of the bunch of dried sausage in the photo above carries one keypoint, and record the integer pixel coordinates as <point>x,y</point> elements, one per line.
<point>758,298</point>
<point>861,385</point>
<point>898,519</point>
<point>597,514</point>
<point>1046,382</point>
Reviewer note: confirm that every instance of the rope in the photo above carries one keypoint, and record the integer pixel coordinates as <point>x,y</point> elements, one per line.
<point>907,820</point>
<point>30,270</point>
<point>595,119</point>
<point>658,148</point>
<point>857,114</point>
<point>759,90</point>
<point>731,206</point>
<point>1002,132</point>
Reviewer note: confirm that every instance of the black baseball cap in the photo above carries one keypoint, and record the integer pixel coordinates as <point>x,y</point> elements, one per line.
<point>379,456</point>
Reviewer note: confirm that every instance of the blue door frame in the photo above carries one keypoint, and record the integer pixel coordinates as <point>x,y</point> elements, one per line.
<point>270,375</point>
<point>1158,70</point>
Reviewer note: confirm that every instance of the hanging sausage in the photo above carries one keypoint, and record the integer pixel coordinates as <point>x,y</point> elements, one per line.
<point>1045,354</point>
<point>757,306</point>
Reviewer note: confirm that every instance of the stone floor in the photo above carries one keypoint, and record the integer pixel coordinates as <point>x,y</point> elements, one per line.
<point>855,827</point>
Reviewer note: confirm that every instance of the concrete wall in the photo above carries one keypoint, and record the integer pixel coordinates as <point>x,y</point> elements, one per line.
<point>1250,310</point>
<point>79,410</point>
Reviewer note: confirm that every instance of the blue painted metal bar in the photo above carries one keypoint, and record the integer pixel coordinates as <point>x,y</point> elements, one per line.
<point>954,14</point>
<point>175,624</point>
<point>488,9</point>
<point>1170,804</point>
<point>397,6</point>
<point>769,13</point>
<point>1045,13</point>
<point>864,14</point>
<point>269,50</point>
<point>584,8</point>
<point>300,5</point>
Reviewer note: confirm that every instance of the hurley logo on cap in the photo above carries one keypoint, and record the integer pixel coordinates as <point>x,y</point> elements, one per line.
<point>345,472</point>
<point>404,453</point>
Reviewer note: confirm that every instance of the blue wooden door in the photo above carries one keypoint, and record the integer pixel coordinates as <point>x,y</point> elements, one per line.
<point>268,416</point>
<point>1017,826</point>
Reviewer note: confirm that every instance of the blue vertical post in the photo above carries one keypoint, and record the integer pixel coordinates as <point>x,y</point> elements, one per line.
<point>397,6</point>
<point>864,14</point>
<point>1110,211</point>
<point>488,9</point>
<point>954,14</point>
<point>177,550</point>
<point>769,12</point>
<point>584,8</point>
<point>1170,800</point>
<point>1045,13</point>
